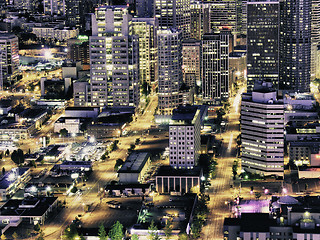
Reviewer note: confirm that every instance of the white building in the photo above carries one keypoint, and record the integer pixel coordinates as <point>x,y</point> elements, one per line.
<point>262,133</point>
<point>184,137</point>
<point>72,125</point>
<point>170,69</point>
<point>55,33</point>
<point>114,58</point>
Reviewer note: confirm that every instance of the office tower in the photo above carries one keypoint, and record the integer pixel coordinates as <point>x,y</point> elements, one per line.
<point>113,58</point>
<point>170,69</point>
<point>52,7</point>
<point>184,137</point>
<point>222,15</point>
<point>315,36</point>
<point>263,42</point>
<point>215,67</point>
<point>9,59</point>
<point>295,45</point>
<point>200,19</point>
<point>144,8</point>
<point>72,11</point>
<point>191,62</point>
<point>262,132</point>
<point>173,14</point>
<point>78,49</point>
<point>146,30</point>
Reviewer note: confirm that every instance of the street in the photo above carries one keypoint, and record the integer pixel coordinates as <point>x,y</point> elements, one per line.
<point>220,191</point>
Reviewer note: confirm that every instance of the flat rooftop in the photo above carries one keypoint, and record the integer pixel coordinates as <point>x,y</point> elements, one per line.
<point>171,171</point>
<point>135,162</point>
<point>11,177</point>
<point>27,207</point>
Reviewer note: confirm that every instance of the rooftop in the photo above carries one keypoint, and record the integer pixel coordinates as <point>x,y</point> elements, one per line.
<point>27,207</point>
<point>11,177</point>
<point>171,171</point>
<point>135,162</point>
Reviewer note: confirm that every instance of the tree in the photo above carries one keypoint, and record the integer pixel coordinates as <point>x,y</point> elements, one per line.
<point>41,235</point>
<point>3,171</point>
<point>153,232</point>
<point>37,227</point>
<point>71,232</point>
<point>134,237</point>
<point>168,229</point>
<point>1,155</point>
<point>116,232</point>
<point>102,232</point>
<point>3,237</point>
<point>33,163</point>
<point>258,195</point>
<point>7,152</point>
<point>119,163</point>
<point>15,235</point>
<point>63,132</point>
<point>17,156</point>
<point>183,236</point>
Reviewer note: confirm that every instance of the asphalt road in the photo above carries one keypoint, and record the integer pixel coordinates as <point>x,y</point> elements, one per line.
<point>220,191</point>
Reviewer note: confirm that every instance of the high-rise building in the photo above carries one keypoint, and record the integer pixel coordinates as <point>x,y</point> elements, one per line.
<point>51,7</point>
<point>146,30</point>
<point>215,67</point>
<point>78,49</point>
<point>315,36</point>
<point>9,59</point>
<point>114,58</point>
<point>170,69</point>
<point>184,137</point>
<point>262,132</point>
<point>295,45</point>
<point>222,15</point>
<point>191,62</point>
<point>173,14</point>
<point>200,19</point>
<point>144,8</point>
<point>262,42</point>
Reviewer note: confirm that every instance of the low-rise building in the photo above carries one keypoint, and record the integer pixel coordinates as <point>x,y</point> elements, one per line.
<point>29,210</point>
<point>128,189</point>
<point>304,153</point>
<point>105,130</point>
<point>36,115</point>
<point>134,168</point>
<point>72,125</point>
<point>16,131</point>
<point>81,112</point>
<point>55,33</point>
<point>12,181</point>
<point>170,179</point>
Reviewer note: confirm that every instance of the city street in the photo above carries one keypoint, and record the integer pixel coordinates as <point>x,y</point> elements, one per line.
<point>220,192</point>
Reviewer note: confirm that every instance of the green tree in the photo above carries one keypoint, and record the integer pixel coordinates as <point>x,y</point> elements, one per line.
<point>70,232</point>
<point>102,232</point>
<point>168,229</point>
<point>63,132</point>
<point>41,235</point>
<point>116,232</point>
<point>183,236</point>
<point>15,235</point>
<point>37,227</point>
<point>134,237</point>
<point>257,195</point>
<point>3,171</point>
<point>33,163</point>
<point>153,232</point>
<point>118,164</point>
